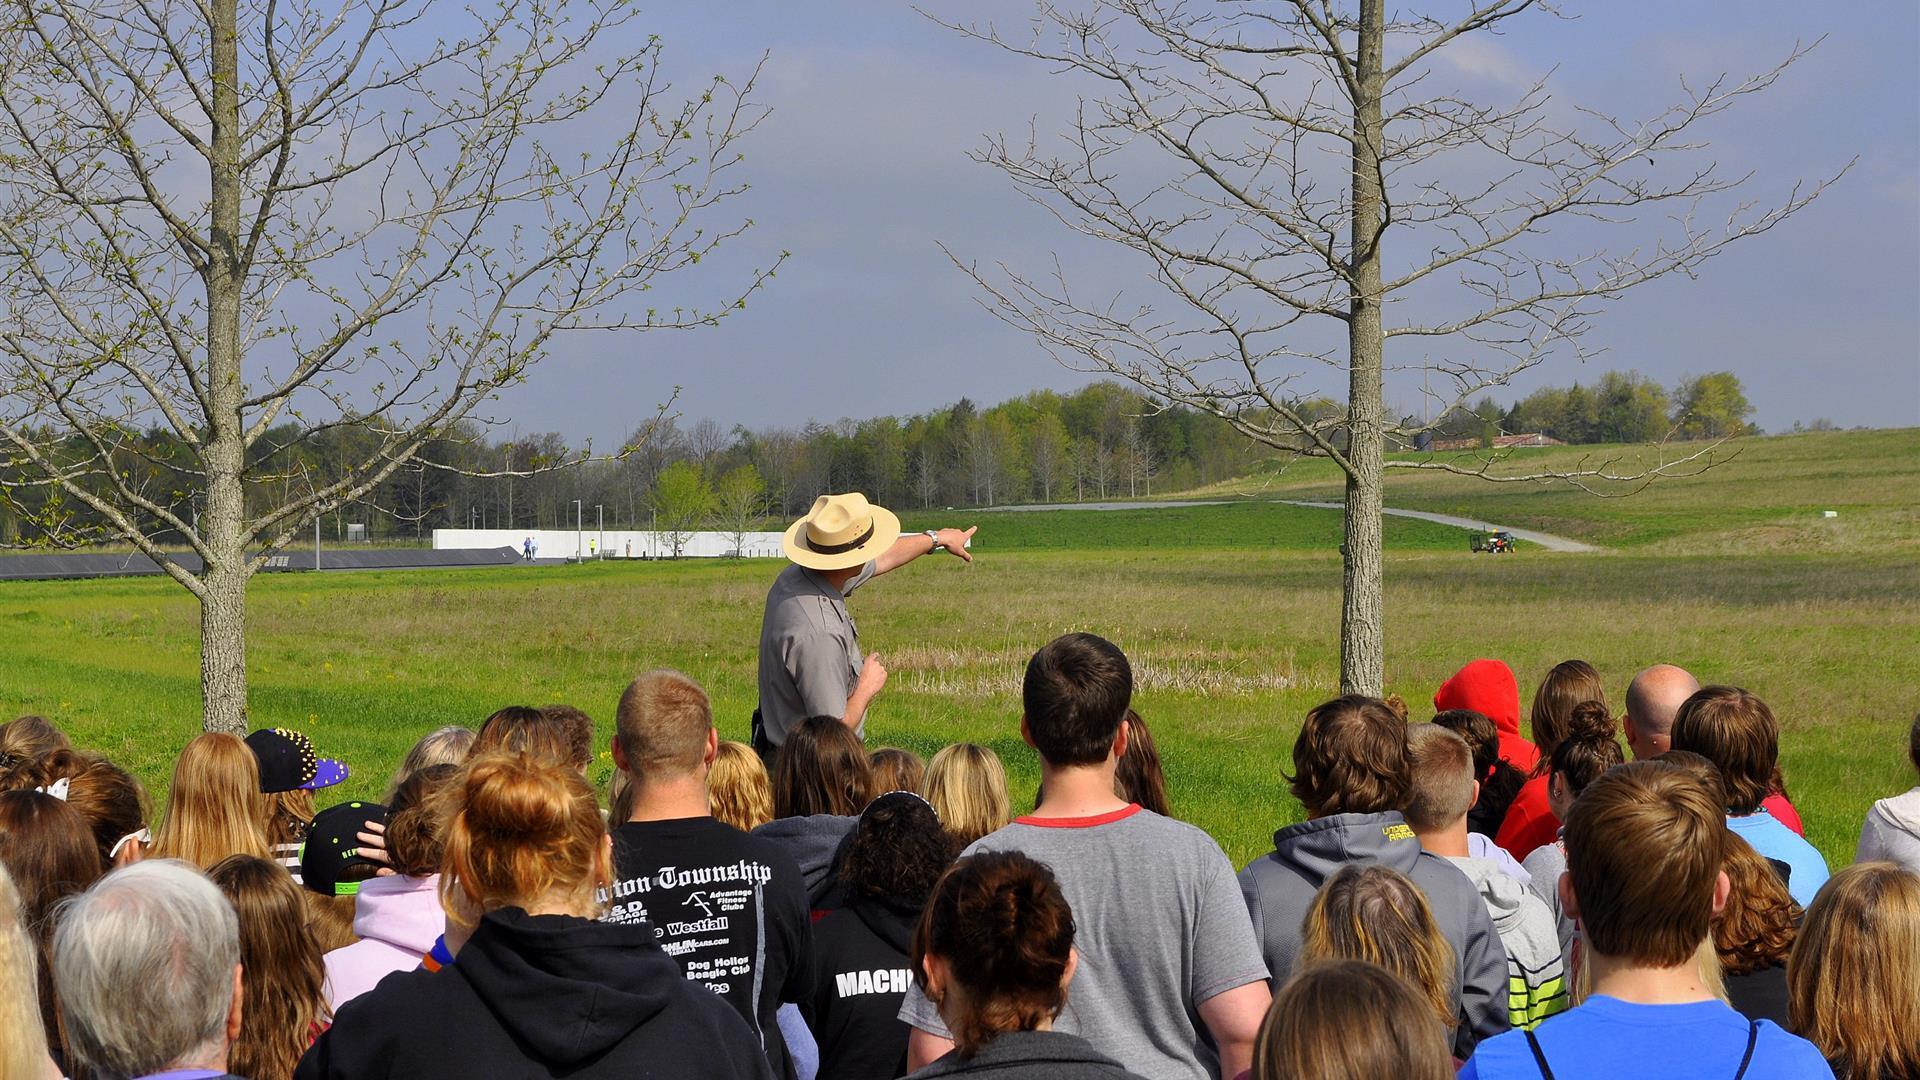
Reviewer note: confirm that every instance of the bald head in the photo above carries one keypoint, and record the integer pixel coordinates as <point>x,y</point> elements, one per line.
<point>1653,700</point>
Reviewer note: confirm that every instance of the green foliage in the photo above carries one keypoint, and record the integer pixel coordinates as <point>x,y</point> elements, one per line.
<point>682,502</point>
<point>1713,406</point>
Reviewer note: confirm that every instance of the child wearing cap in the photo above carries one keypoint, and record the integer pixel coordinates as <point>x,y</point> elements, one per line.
<point>290,771</point>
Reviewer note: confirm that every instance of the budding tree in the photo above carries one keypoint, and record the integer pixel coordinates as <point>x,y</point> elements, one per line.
<point>226,218</point>
<point>1318,211</point>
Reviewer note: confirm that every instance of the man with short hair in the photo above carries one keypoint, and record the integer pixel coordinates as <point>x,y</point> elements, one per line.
<point>1169,967</point>
<point>1738,733</point>
<point>1441,791</point>
<point>1645,845</point>
<point>147,968</point>
<point>1351,774</point>
<point>730,907</point>
<point>810,660</point>
<point>1654,698</point>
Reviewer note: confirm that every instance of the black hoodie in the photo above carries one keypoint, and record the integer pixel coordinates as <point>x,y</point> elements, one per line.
<point>540,996</point>
<point>862,970</point>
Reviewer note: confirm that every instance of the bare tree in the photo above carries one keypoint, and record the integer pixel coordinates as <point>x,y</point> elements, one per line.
<point>209,209</point>
<point>1302,200</point>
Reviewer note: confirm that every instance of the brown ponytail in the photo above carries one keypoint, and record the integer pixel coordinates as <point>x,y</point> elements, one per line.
<point>520,829</point>
<point>1000,922</point>
<point>1588,748</point>
<point>1569,685</point>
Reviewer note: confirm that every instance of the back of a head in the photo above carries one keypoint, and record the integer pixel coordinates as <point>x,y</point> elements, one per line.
<point>1440,785</point>
<point>1075,698</point>
<point>821,769</point>
<point>1655,695</point>
<point>895,769</point>
<point>1704,772</point>
<point>1737,732</point>
<point>1002,924</point>
<point>28,739</point>
<point>1350,758</point>
<point>520,830</point>
<point>1568,684</point>
<point>107,796</point>
<point>1645,846</point>
<point>214,808</point>
<point>1350,1020</point>
<point>447,745</point>
<point>554,737</point>
<point>1372,912</point>
<point>898,850</point>
<point>48,848</point>
<point>1481,736</point>
<point>662,724</point>
<point>417,818</point>
<point>1140,777</point>
<point>1755,930</point>
<point>1853,982</point>
<point>739,791</point>
<point>144,962</point>
<point>1588,749</point>
<point>967,785</point>
<point>285,976</point>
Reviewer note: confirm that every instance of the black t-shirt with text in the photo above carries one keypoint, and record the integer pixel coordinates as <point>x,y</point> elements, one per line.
<point>731,908</point>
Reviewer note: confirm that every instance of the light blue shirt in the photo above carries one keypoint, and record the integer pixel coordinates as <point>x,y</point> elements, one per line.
<point>1607,1039</point>
<point>1775,841</point>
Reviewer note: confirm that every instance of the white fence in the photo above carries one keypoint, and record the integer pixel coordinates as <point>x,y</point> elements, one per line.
<point>610,543</point>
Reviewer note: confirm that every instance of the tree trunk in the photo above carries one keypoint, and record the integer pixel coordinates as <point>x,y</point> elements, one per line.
<point>1362,626</point>
<point>223,607</point>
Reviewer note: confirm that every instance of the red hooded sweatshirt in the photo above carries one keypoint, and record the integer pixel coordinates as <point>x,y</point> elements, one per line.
<point>1488,687</point>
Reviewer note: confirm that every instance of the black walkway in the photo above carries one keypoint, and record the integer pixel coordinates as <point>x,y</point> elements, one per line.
<point>49,567</point>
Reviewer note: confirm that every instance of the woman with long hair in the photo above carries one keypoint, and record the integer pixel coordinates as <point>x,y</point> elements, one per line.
<point>540,986</point>
<point>109,798</point>
<point>1139,777</point>
<point>214,808</point>
<point>1372,912</point>
<point>739,792</point>
<point>397,917</point>
<point>49,851</point>
<point>1853,981</point>
<point>1350,1020</point>
<point>897,853</point>
<point>1570,697</point>
<point>1754,934</point>
<point>994,953</point>
<point>285,1007</point>
<point>821,769</point>
<point>23,1039</point>
<point>1577,760</point>
<point>967,786</point>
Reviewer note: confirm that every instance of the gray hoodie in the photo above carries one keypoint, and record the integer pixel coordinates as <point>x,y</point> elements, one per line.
<point>1536,980</point>
<point>1280,885</point>
<point>1892,831</point>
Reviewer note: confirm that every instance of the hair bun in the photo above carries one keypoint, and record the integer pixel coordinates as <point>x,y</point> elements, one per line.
<point>513,795</point>
<point>1589,720</point>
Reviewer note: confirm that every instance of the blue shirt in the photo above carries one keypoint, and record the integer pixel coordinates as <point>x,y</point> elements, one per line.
<point>1606,1039</point>
<point>1775,841</point>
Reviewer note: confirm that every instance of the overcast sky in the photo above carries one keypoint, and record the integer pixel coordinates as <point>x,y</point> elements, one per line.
<point>861,171</point>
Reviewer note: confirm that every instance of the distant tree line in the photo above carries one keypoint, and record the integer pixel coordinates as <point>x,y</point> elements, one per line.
<point>1619,407</point>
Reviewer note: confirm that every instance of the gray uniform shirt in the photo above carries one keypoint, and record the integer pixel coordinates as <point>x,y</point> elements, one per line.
<point>809,650</point>
<point>1160,928</point>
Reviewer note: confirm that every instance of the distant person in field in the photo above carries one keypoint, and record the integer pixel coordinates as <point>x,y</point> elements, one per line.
<point>1645,880</point>
<point>1441,793</point>
<point>1169,979</point>
<point>1489,688</point>
<point>810,659</point>
<point>1351,773</point>
<point>1738,733</point>
<point>1653,700</point>
<point>1892,829</point>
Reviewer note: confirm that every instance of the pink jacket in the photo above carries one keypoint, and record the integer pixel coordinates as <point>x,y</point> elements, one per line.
<point>397,919</point>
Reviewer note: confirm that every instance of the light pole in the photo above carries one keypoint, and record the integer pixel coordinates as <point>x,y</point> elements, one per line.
<point>471,510</point>
<point>579,533</point>
<point>599,527</point>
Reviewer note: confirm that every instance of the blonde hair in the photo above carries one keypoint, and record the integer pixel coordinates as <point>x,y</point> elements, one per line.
<point>895,769</point>
<point>1350,1020</point>
<point>1375,913</point>
<point>1853,980</point>
<point>23,1042</point>
<point>521,829</point>
<point>967,786</point>
<point>1441,790</point>
<point>739,791</point>
<point>285,975</point>
<point>214,808</point>
<point>442,746</point>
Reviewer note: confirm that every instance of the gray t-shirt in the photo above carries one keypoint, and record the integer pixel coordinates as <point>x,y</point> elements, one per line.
<point>809,650</point>
<point>1160,927</point>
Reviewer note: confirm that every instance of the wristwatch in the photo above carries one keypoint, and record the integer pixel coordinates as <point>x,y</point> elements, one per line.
<point>934,535</point>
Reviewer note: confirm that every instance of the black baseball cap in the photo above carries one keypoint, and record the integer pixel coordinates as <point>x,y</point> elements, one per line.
<point>288,762</point>
<point>332,849</point>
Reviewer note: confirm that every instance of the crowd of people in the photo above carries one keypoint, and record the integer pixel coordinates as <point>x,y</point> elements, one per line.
<point>1460,899</point>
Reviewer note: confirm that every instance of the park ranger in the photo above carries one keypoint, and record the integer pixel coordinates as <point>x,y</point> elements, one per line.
<point>810,660</point>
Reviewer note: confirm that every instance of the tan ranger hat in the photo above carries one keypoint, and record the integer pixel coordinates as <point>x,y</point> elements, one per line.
<point>841,531</point>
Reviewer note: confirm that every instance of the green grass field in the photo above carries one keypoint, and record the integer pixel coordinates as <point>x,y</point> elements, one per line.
<point>1229,613</point>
